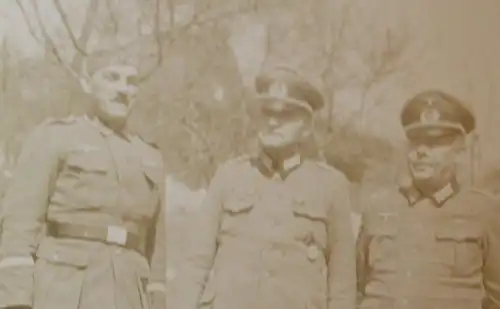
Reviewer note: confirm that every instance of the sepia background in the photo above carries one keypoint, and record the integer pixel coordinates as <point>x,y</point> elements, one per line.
<point>367,56</point>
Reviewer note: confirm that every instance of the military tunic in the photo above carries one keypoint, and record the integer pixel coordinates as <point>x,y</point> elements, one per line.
<point>76,171</point>
<point>442,251</point>
<point>267,239</point>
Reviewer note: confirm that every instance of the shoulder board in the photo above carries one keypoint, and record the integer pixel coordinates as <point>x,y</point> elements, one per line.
<point>54,121</point>
<point>150,142</point>
<point>326,166</point>
<point>239,159</point>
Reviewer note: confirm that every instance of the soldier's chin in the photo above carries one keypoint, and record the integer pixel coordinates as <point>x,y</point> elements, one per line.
<point>272,141</point>
<point>116,110</point>
<point>422,174</point>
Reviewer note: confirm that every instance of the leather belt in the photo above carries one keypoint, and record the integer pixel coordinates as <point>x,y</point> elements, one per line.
<point>115,235</point>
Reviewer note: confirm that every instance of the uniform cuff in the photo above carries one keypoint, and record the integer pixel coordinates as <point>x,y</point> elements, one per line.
<point>17,261</point>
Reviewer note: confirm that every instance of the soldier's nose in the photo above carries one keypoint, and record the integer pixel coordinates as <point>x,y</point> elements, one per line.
<point>273,122</point>
<point>422,151</point>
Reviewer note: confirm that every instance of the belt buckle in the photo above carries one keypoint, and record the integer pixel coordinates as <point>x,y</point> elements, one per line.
<point>117,235</point>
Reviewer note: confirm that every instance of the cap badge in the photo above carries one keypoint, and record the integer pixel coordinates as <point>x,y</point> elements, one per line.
<point>279,90</point>
<point>430,115</point>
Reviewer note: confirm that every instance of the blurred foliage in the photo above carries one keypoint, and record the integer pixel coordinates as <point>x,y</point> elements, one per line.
<point>193,104</point>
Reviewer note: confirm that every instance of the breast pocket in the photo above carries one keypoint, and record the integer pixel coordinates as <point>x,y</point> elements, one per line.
<point>312,224</point>
<point>83,181</point>
<point>236,214</point>
<point>87,163</point>
<point>459,248</point>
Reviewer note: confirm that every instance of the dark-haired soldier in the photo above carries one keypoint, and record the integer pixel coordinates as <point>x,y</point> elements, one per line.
<point>430,243</point>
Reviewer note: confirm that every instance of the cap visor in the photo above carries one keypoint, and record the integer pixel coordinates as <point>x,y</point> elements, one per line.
<point>262,100</point>
<point>433,130</point>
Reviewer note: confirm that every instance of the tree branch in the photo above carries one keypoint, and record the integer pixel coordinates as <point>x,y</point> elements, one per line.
<point>383,64</point>
<point>112,16</point>
<point>174,33</point>
<point>50,42</point>
<point>157,33</point>
<point>64,19</point>
<point>87,28</point>
<point>171,13</point>
<point>159,44</point>
<point>27,21</point>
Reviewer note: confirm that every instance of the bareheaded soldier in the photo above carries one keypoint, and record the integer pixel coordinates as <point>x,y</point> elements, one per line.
<point>274,230</point>
<point>429,243</point>
<point>82,217</point>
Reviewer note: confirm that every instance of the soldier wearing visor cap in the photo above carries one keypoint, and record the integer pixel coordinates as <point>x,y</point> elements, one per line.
<point>82,218</point>
<point>429,243</point>
<point>274,230</point>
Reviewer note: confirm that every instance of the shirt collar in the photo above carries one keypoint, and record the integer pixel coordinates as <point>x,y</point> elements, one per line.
<point>414,195</point>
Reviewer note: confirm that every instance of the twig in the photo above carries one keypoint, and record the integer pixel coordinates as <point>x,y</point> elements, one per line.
<point>64,19</point>
<point>87,27</point>
<point>112,16</point>
<point>27,21</point>
<point>49,40</point>
<point>171,13</point>
<point>157,33</point>
<point>159,44</point>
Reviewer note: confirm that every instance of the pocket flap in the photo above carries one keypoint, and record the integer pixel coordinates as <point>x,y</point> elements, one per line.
<point>239,205</point>
<point>87,162</point>
<point>63,253</point>
<point>207,296</point>
<point>312,211</point>
<point>459,232</point>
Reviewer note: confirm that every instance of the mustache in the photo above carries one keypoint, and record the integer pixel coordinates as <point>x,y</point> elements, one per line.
<point>122,98</point>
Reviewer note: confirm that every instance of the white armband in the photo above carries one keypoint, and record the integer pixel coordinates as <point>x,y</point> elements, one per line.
<point>15,261</point>
<point>155,287</point>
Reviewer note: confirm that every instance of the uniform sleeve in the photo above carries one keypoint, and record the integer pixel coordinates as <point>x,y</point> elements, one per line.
<point>157,247</point>
<point>491,269</point>
<point>341,261</point>
<point>24,208</point>
<point>156,287</point>
<point>361,257</point>
<point>202,247</point>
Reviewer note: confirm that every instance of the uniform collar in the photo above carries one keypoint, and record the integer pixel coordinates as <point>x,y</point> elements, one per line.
<point>284,168</point>
<point>414,195</point>
<point>103,129</point>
